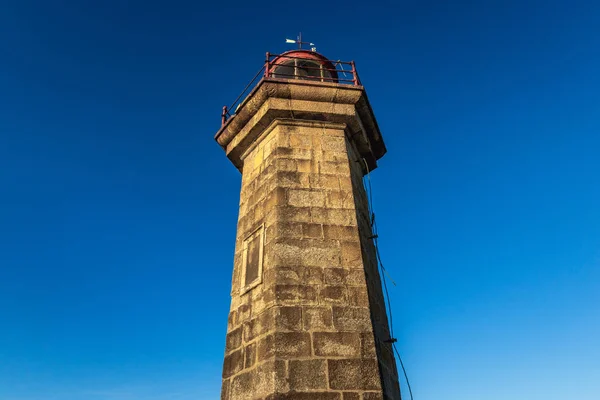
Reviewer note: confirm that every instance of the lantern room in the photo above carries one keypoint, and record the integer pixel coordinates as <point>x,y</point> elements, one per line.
<point>299,66</point>
<point>303,64</point>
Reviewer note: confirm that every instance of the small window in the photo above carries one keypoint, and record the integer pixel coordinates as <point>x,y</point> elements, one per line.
<point>252,259</point>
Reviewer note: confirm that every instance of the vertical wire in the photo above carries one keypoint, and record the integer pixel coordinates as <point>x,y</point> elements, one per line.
<point>380,263</point>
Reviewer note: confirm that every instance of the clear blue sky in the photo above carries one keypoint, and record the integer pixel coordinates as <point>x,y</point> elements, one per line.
<point>118,210</point>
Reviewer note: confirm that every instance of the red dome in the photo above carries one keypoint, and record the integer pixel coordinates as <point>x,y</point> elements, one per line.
<point>303,64</point>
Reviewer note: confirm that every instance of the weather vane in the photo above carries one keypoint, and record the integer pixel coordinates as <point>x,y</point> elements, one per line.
<point>300,42</point>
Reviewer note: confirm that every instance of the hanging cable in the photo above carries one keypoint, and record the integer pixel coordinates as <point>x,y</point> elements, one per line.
<point>369,193</point>
<point>375,236</point>
<point>403,370</point>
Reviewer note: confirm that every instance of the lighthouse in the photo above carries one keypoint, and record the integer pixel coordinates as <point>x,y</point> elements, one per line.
<point>307,319</point>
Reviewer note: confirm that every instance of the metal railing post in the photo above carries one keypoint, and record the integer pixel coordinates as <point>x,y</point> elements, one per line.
<point>224,115</point>
<point>354,75</point>
<point>267,64</point>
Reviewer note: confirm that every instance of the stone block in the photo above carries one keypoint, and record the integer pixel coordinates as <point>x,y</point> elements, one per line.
<point>282,229</point>
<point>232,320</point>
<point>233,363</point>
<point>225,389</point>
<point>339,199</point>
<point>351,319</point>
<point>247,182</point>
<point>265,379</point>
<point>306,166</point>
<point>342,216</point>
<point>336,156</point>
<point>345,183</point>
<point>334,276</point>
<point>258,326</point>
<point>307,374</point>
<point>268,144</point>
<point>351,254</point>
<point>249,355</point>
<point>354,374</point>
<point>282,152</point>
<point>245,224</point>
<point>337,344</point>
<point>301,154</point>
<point>291,179</point>
<point>293,275</point>
<point>303,253</point>
<point>318,155</point>
<point>233,340</point>
<point>281,138</point>
<point>274,318</point>
<point>336,131</point>
<point>274,198</point>
<point>334,144</point>
<point>355,276</point>
<point>244,311</point>
<point>358,296</point>
<point>367,345</point>
<point>313,231</point>
<point>372,396</point>
<point>300,141</point>
<point>333,295</point>
<point>292,153</point>
<point>333,216</point>
<point>306,198</point>
<point>285,164</point>
<point>287,318</point>
<point>317,318</point>
<point>341,232</point>
<point>284,344</point>
<point>296,294</point>
<point>351,396</point>
<point>293,214</point>
<point>265,179</point>
<point>252,201</point>
<point>316,141</point>
<point>236,302</point>
<point>305,396</point>
<point>324,181</point>
<point>340,167</point>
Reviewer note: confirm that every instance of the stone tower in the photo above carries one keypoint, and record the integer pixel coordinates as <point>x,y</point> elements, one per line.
<point>307,318</point>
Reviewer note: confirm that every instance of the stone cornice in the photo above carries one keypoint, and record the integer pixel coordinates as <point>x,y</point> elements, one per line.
<point>274,99</point>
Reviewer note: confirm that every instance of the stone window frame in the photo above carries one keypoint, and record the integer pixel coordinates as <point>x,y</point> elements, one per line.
<point>245,288</point>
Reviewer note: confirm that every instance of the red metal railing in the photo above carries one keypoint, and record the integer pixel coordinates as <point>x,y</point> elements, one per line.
<point>343,72</point>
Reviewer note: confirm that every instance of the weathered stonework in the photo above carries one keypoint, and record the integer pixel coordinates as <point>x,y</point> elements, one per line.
<point>314,326</point>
